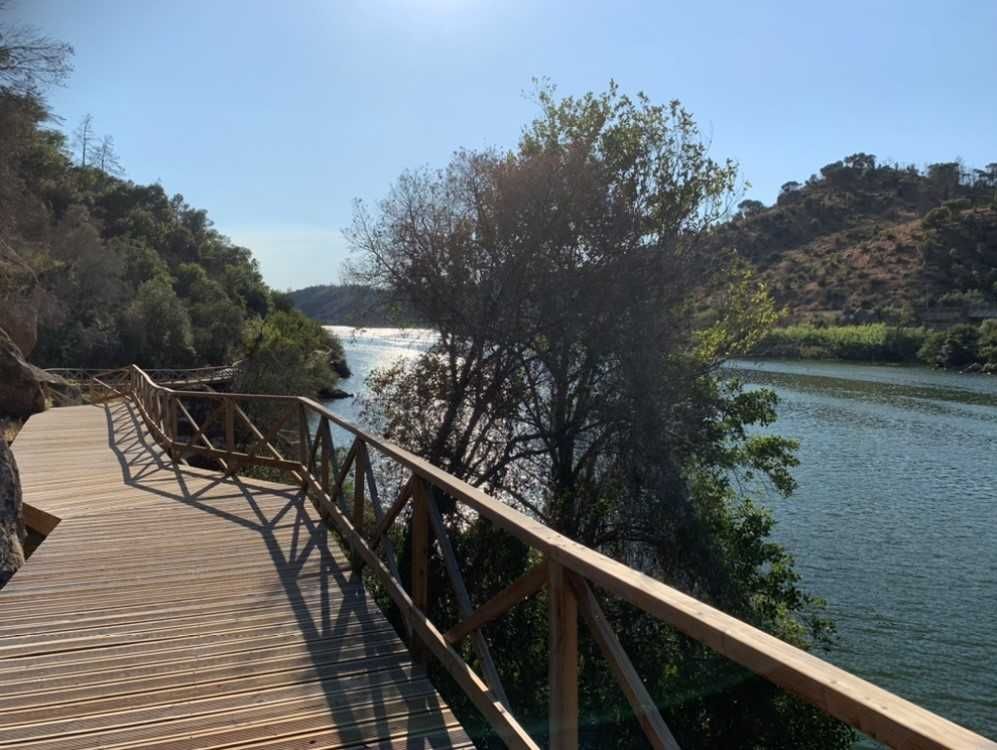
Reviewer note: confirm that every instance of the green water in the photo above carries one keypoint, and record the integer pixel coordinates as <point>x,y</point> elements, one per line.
<point>894,522</point>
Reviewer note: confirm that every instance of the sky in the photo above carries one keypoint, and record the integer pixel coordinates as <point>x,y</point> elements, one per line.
<point>277,116</point>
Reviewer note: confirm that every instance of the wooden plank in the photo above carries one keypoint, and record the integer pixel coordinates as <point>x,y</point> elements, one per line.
<point>387,519</point>
<point>504,724</point>
<point>464,600</point>
<point>177,608</point>
<point>523,587</point>
<point>563,672</point>
<point>655,730</point>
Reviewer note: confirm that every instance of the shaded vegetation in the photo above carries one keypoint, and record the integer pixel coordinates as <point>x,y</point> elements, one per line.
<point>961,346</point>
<point>98,271</point>
<point>354,305</point>
<point>570,379</point>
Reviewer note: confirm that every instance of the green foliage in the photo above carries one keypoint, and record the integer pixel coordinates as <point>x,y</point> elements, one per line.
<point>937,216</point>
<point>987,342</point>
<point>957,347</point>
<point>286,353</point>
<point>874,342</point>
<point>124,272</point>
<point>155,327</point>
<point>564,279</point>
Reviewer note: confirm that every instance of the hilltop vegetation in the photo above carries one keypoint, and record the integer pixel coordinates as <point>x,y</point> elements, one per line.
<point>864,241</point>
<point>98,271</point>
<point>352,305</point>
<point>859,242</point>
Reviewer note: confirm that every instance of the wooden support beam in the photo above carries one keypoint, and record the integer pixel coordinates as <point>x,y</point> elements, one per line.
<point>655,729</point>
<point>390,557</point>
<point>229,426</point>
<point>523,587</point>
<point>420,553</point>
<point>464,600</point>
<point>505,725</point>
<point>384,523</point>
<point>563,673</point>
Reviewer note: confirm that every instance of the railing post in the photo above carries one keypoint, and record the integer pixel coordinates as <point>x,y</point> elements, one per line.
<point>303,451</point>
<point>420,556</point>
<point>173,428</point>
<point>229,425</point>
<point>563,647</point>
<point>359,472</point>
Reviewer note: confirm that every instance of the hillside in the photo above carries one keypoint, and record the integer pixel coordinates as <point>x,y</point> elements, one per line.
<point>351,305</point>
<point>858,242</point>
<point>863,241</point>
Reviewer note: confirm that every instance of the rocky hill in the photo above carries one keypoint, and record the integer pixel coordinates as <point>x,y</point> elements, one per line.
<point>351,305</point>
<point>863,241</point>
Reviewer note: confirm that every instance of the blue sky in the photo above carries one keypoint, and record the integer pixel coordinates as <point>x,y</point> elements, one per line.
<point>275,116</point>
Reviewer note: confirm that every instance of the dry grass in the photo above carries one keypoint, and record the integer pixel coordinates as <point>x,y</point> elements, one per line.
<point>9,428</point>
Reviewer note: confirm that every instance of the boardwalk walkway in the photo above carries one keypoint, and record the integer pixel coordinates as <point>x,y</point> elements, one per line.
<point>172,609</point>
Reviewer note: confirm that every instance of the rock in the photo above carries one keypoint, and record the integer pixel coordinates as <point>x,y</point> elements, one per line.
<point>340,367</point>
<point>975,367</point>
<point>21,393</point>
<point>60,390</point>
<point>19,318</point>
<point>330,393</point>
<point>12,531</point>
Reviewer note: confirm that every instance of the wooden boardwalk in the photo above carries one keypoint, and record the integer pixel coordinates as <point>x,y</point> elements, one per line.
<point>172,609</point>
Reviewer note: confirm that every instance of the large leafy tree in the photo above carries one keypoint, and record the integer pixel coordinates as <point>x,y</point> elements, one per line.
<point>576,376</point>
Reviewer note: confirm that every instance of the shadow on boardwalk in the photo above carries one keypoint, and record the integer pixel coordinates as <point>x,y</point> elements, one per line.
<point>372,691</point>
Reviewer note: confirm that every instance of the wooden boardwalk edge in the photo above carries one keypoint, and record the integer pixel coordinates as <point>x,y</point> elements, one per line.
<point>169,608</point>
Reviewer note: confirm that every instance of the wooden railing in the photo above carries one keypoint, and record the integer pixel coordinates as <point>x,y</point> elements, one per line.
<point>174,377</point>
<point>295,434</point>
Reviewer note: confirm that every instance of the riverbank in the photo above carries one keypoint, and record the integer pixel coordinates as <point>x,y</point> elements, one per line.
<point>964,347</point>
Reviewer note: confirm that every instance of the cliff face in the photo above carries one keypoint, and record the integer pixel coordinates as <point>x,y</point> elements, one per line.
<point>12,531</point>
<point>21,393</point>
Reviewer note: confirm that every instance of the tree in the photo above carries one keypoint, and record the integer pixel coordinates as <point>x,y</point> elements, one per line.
<point>750,207</point>
<point>30,61</point>
<point>106,158</point>
<point>156,328</point>
<point>861,161</point>
<point>569,379</point>
<point>84,137</point>
<point>790,187</point>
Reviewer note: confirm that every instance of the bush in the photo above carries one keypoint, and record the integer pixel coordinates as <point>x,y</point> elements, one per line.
<point>987,344</point>
<point>936,217</point>
<point>959,346</point>
<point>869,342</point>
<point>286,353</point>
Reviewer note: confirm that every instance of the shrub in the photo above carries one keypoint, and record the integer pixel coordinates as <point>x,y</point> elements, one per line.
<point>987,344</point>
<point>959,346</point>
<point>936,217</point>
<point>868,342</point>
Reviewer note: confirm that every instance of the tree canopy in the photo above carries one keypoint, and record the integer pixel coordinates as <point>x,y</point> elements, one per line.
<point>576,378</point>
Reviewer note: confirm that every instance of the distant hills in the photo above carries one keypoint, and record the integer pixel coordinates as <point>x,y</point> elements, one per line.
<point>351,305</point>
<point>863,241</point>
<point>858,242</point>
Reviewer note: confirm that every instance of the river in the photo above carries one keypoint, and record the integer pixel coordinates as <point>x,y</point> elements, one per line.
<point>894,522</point>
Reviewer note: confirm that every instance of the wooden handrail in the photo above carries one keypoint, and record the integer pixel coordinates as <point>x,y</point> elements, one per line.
<point>569,569</point>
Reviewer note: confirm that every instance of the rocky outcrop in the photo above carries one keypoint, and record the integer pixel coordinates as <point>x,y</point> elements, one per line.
<point>339,366</point>
<point>12,531</point>
<point>19,318</point>
<point>56,387</point>
<point>21,394</point>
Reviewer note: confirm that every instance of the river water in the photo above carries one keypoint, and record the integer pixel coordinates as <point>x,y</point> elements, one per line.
<point>894,522</point>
